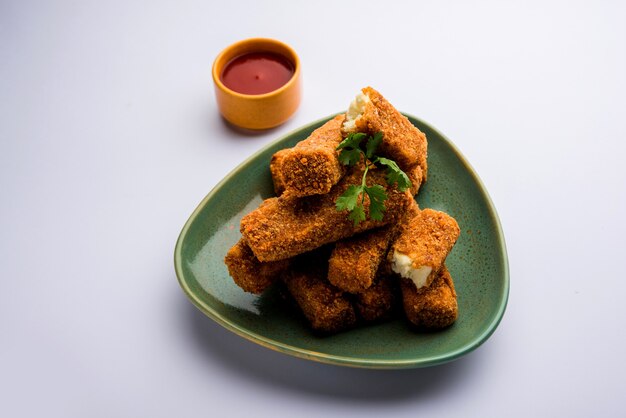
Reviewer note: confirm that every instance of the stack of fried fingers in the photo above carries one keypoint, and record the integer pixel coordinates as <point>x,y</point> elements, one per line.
<point>341,274</point>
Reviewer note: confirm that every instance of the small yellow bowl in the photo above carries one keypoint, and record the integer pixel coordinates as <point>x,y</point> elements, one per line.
<point>257,111</point>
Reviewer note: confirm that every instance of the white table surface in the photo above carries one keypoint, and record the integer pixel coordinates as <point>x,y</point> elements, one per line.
<point>110,137</point>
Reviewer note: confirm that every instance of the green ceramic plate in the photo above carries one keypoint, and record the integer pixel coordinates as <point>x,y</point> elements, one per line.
<point>478,264</point>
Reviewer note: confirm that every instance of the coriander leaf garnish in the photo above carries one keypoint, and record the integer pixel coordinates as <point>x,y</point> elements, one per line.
<point>350,149</point>
<point>357,214</point>
<point>353,140</point>
<point>372,144</point>
<point>395,174</point>
<point>348,200</point>
<point>377,196</point>
<point>353,198</point>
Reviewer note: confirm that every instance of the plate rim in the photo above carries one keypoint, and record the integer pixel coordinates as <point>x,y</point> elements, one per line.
<point>337,359</point>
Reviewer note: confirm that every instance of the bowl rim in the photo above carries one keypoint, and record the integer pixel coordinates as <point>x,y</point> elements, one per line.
<point>333,359</point>
<point>216,70</point>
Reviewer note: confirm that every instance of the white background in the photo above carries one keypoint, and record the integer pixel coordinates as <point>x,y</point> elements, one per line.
<point>110,137</point>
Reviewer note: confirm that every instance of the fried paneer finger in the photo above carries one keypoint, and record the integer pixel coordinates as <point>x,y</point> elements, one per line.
<point>431,307</point>
<point>286,226</point>
<point>276,170</point>
<point>325,307</point>
<point>354,261</point>
<point>423,245</point>
<point>312,167</point>
<point>370,112</point>
<point>248,272</point>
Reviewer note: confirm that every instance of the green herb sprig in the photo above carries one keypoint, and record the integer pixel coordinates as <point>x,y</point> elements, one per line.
<point>353,199</point>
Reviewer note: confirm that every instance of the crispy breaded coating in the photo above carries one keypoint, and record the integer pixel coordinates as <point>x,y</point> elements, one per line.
<point>354,261</point>
<point>312,167</point>
<point>431,307</point>
<point>416,175</point>
<point>287,226</point>
<point>326,308</point>
<point>402,141</point>
<point>275,169</point>
<point>248,272</point>
<point>411,212</point>
<point>379,301</point>
<point>421,248</point>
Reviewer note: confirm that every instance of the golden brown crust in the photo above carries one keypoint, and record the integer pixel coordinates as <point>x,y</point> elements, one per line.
<point>287,226</point>
<point>416,175</point>
<point>326,308</point>
<point>312,167</point>
<point>276,170</point>
<point>432,307</point>
<point>248,272</point>
<point>378,302</point>
<point>354,262</point>
<point>411,212</point>
<point>402,142</point>
<point>427,240</point>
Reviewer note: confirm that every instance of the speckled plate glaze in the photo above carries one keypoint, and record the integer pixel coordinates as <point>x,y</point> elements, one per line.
<point>478,263</point>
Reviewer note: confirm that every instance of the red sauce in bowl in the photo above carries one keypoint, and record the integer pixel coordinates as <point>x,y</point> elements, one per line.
<point>257,73</point>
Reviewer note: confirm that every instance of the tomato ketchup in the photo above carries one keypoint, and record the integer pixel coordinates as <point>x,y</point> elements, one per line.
<point>257,72</point>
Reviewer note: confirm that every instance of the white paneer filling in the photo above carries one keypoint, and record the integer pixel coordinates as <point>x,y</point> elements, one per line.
<point>403,265</point>
<point>355,111</point>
